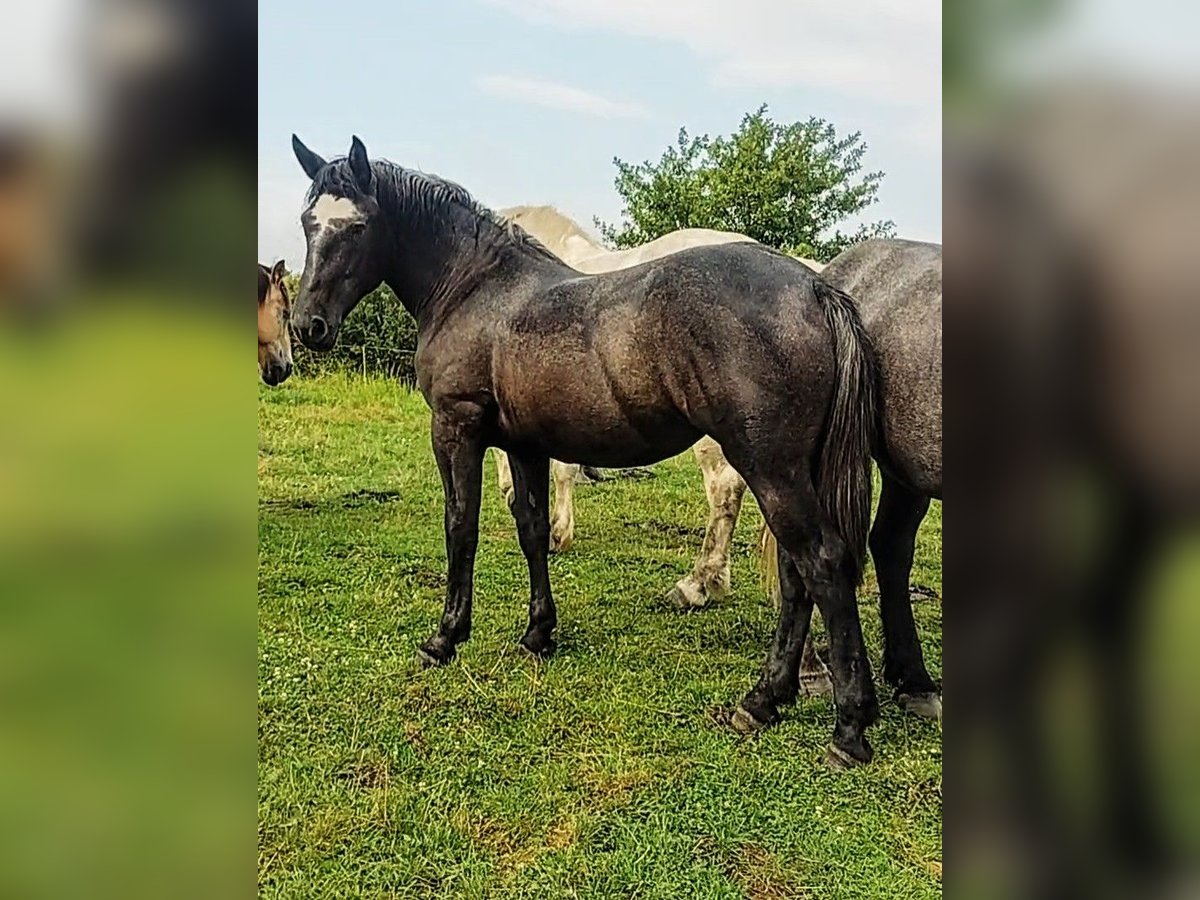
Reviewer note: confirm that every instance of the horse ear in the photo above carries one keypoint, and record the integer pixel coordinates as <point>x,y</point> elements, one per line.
<point>360,166</point>
<point>278,271</point>
<point>309,161</point>
<point>264,283</point>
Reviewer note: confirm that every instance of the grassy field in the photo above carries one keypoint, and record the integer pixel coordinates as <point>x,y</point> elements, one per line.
<point>593,775</point>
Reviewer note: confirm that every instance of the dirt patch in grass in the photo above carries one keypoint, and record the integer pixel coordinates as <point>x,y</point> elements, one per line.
<point>370,771</point>
<point>612,790</point>
<point>759,874</point>
<point>514,847</point>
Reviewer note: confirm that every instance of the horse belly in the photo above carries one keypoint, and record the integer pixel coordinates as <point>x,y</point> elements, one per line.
<point>578,419</point>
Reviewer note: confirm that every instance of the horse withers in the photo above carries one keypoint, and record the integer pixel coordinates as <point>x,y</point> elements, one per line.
<point>518,350</point>
<point>274,337</point>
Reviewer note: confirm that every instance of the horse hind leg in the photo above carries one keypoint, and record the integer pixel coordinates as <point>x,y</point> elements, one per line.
<point>779,684</point>
<point>893,537</point>
<point>562,523</point>
<point>822,562</point>
<point>725,490</point>
<point>815,678</point>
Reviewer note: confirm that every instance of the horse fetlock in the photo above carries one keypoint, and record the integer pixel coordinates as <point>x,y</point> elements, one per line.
<point>715,582</point>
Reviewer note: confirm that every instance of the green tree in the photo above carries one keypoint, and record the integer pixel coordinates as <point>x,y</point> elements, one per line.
<point>787,186</point>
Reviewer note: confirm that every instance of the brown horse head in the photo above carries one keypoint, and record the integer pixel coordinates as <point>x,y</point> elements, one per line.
<point>274,338</point>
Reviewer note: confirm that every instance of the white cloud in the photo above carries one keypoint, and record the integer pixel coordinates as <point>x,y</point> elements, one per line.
<point>887,51</point>
<point>557,96</point>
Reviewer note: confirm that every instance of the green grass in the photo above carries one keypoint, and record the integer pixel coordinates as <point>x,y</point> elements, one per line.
<point>593,775</point>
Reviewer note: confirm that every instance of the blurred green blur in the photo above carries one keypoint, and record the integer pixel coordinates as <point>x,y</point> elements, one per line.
<point>127,617</point>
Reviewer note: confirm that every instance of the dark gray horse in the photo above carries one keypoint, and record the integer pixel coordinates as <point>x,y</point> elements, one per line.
<point>898,287</point>
<point>517,350</point>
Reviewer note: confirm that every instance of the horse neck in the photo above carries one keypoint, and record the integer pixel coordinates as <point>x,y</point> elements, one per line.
<point>435,262</point>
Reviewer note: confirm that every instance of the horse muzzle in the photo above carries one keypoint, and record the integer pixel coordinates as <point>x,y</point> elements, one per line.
<point>317,333</point>
<point>274,373</point>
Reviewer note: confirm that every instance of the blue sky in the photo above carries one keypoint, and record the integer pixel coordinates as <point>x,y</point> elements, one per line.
<point>527,101</point>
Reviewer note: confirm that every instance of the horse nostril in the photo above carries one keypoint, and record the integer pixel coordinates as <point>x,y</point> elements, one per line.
<point>317,329</point>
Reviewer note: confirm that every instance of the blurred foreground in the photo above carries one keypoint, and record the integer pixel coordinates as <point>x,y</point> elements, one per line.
<point>127,486</point>
<point>1072,193</point>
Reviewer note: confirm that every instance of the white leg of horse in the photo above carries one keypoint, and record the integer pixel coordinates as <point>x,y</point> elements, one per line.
<point>562,520</point>
<point>504,476</point>
<point>725,489</point>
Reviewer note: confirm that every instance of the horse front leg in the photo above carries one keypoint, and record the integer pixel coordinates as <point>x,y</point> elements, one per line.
<point>531,497</point>
<point>562,528</point>
<point>459,452</point>
<point>725,490</point>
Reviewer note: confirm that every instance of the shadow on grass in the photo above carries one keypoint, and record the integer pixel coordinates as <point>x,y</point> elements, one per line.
<point>353,500</point>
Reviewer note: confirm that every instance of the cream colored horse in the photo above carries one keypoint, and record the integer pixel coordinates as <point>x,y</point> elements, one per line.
<point>723,486</point>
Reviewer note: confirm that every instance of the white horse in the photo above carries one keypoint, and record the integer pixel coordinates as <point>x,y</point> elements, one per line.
<point>723,486</point>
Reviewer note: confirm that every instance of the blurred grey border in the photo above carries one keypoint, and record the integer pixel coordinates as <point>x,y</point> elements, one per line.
<point>127,487</point>
<point>1072,189</point>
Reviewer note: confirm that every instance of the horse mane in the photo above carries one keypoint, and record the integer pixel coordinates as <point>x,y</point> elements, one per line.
<point>432,198</point>
<point>554,227</point>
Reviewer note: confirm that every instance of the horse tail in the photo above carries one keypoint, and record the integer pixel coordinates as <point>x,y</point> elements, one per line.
<point>844,468</point>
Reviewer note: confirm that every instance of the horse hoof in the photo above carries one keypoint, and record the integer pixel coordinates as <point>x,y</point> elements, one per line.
<point>686,600</point>
<point>428,660</point>
<point>743,722</point>
<point>435,652</point>
<point>928,704</point>
<point>815,684</point>
<point>538,649</point>
<point>841,760</point>
<point>559,543</point>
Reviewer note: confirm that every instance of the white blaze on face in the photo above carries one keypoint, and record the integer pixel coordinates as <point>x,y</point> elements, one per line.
<point>334,213</point>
